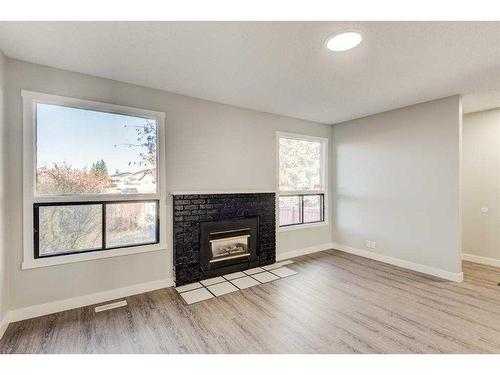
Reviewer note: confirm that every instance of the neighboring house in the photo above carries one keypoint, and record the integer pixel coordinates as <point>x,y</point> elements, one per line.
<point>143,181</point>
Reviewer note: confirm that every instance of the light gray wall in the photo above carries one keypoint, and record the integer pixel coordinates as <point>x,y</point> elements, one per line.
<point>396,182</point>
<point>207,145</point>
<point>481,184</point>
<point>3,218</point>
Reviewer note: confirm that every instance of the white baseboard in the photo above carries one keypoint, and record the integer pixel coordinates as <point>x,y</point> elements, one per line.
<point>89,299</point>
<point>304,251</point>
<point>447,275</point>
<point>4,323</point>
<point>481,260</point>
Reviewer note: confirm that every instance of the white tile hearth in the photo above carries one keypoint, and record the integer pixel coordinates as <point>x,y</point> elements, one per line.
<point>218,286</point>
<point>188,287</point>
<point>283,272</point>
<point>265,277</point>
<point>272,266</point>
<point>213,280</point>
<point>196,295</point>
<point>277,265</point>
<point>245,282</point>
<point>234,275</point>
<point>222,288</point>
<point>251,271</point>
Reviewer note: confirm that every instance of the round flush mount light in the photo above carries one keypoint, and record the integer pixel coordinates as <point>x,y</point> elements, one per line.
<point>344,41</point>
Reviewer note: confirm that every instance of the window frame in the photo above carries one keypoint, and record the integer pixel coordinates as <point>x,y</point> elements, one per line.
<point>323,192</point>
<point>30,197</point>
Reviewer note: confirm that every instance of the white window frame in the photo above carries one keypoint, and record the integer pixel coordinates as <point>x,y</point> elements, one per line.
<point>30,100</point>
<point>324,182</point>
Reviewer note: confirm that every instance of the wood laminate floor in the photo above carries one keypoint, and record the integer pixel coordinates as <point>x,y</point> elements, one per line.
<point>338,303</point>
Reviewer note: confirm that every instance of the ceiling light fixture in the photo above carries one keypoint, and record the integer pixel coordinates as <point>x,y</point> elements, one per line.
<point>344,41</point>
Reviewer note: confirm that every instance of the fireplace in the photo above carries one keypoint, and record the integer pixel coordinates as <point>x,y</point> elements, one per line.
<point>216,234</point>
<point>228,245</point>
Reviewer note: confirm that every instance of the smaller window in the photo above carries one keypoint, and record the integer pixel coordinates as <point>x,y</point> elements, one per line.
<point>290,211</point>
<point>302,162</point>
<point>312,208</point>
<point>301,209</point>
<point>131,223</point>
<point>67,228</point>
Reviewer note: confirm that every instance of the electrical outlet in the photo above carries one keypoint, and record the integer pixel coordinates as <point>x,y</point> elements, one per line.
<point>374,245</point>
<point>368,244</point>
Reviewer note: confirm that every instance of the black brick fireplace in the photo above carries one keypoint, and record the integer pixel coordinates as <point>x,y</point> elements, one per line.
<point>216,234</point>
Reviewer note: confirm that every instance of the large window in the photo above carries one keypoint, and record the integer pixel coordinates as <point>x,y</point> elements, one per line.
<point>92,179</point>
<point>301,179</point>
<point>82,151</point>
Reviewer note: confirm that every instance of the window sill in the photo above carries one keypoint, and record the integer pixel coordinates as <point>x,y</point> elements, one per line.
<point>74,258</point>
<point>303,226</point>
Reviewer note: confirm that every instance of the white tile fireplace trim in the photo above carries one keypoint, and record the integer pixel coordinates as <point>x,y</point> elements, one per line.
<point>204,192</point>
<point>219,286</point>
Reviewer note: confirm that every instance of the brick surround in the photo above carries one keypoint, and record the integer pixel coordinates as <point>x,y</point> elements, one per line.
<point>190,210</point>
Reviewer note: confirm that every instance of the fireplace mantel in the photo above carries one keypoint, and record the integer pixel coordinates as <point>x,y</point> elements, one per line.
<point>205,192</point>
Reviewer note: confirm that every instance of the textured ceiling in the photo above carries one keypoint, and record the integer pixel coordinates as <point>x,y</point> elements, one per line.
<point>277,67</point>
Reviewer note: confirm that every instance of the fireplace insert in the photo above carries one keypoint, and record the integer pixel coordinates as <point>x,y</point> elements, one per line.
<point>228,246</point>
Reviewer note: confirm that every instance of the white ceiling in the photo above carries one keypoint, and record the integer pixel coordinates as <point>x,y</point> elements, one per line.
<point>277,67</point>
